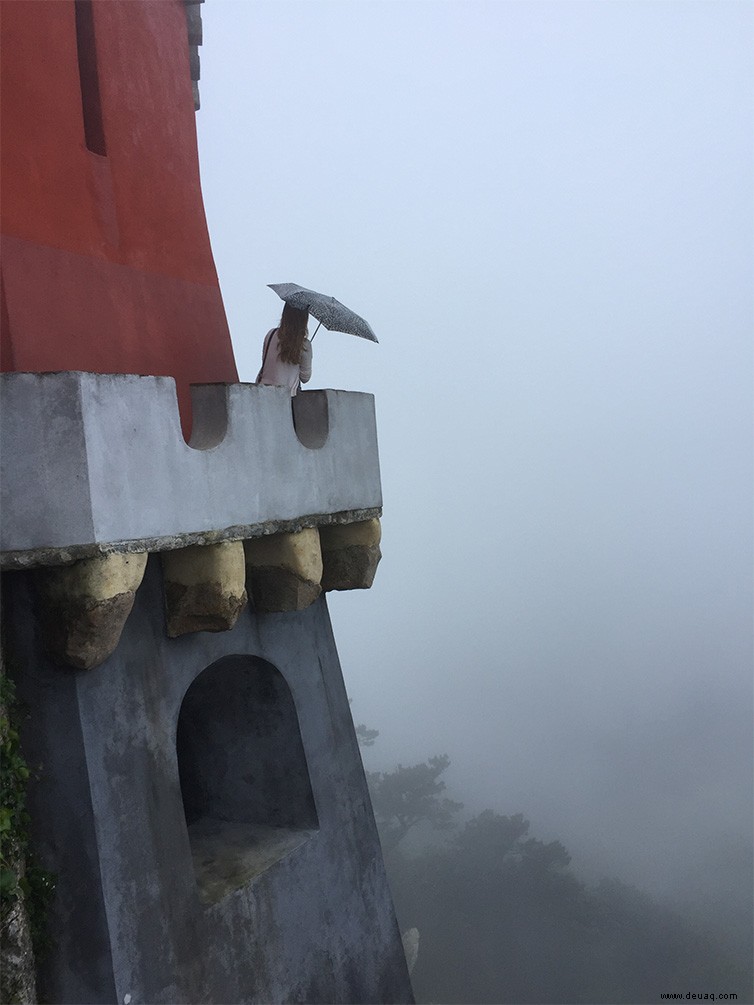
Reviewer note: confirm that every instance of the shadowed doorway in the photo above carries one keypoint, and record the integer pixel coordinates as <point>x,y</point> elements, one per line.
<point>245,784</point>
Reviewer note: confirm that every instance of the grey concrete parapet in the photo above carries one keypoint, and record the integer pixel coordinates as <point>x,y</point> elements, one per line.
<point>96,463</point>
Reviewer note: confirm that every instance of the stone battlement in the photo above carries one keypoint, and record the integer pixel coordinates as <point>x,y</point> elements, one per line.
<point>96,463</point>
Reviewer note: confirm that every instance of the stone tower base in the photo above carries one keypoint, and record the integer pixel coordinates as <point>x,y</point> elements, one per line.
<point>202,802</point>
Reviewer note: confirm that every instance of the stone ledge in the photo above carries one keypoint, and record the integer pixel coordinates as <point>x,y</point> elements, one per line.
<point>50,557</point>
<point>96,463</point>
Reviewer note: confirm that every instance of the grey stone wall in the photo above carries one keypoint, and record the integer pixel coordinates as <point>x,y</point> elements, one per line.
<point>91,463</point>
<point>302,912</point>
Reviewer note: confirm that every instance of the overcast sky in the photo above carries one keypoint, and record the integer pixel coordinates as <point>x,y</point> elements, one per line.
<point>545,211</point>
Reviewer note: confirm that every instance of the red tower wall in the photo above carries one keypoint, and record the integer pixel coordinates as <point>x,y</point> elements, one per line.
<point>106,260</point>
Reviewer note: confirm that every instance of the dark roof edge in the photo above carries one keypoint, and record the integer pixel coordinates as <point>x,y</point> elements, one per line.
<point>194,29</point>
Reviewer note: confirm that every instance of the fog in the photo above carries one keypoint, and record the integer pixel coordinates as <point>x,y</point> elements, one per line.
<point>546,213</point>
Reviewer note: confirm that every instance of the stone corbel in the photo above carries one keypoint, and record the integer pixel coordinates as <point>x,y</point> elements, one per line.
<point>85,606</point>
<point>204,587</point>
<point>284,570</point>
<point>350,554</point>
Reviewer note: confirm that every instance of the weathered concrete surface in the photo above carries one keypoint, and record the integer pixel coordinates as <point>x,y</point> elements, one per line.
<point>108,815</point>
<point>204,587</point>
<point>97,462</point>
<point>350,555</point>
<point>85,606</point>
<point>284,570</point>
<point>227,856</point>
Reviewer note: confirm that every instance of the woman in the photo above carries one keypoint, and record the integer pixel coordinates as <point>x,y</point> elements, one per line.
<point>287,353</point>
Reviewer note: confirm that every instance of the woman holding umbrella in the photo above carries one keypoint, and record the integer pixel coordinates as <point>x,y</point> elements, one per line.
<point>287,353</point>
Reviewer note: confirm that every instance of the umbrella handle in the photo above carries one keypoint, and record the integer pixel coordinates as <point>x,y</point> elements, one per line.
<point>315,331</point>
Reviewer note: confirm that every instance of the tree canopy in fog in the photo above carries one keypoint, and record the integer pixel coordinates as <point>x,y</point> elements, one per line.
<point>502,917</point>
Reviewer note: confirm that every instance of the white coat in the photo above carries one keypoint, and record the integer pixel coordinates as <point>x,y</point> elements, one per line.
<point>274,371</point>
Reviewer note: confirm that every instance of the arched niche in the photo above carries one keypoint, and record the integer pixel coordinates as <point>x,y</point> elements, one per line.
<point>245,784</point>
<point>311,418</point>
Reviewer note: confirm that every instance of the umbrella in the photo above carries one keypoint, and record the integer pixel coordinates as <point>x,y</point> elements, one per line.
<point>327,310</point>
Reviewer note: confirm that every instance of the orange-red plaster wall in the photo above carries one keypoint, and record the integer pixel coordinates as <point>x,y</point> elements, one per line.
<point>106,260</point>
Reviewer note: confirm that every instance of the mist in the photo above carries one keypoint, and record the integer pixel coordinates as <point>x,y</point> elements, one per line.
<point>545,211</point>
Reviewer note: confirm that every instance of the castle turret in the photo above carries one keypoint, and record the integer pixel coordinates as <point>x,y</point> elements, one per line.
<point>168,539</point>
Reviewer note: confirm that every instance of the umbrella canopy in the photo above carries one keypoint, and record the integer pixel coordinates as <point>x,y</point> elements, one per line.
<point>327,310</point>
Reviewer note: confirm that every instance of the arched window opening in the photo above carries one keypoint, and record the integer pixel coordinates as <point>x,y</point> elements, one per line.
<point>245,784</point>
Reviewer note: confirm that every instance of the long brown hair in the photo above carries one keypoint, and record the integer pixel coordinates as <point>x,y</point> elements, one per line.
<point>291,333</point>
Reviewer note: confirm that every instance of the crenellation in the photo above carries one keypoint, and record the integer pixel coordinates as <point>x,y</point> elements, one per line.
<point>100,464</point>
